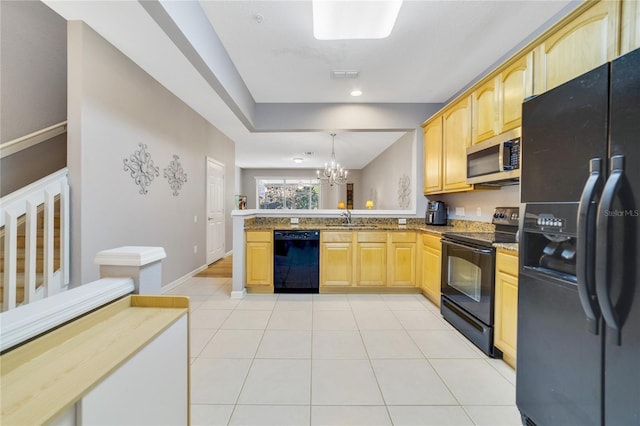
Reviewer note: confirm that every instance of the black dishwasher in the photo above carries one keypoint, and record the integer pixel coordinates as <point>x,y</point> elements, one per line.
<point>296,261</point>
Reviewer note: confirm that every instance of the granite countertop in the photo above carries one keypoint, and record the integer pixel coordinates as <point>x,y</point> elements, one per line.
<point>371,224</point>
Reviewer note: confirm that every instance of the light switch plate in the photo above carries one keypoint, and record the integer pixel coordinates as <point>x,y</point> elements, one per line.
<point>460,211</point>
<point>402,221</point>
<point>294,220</point>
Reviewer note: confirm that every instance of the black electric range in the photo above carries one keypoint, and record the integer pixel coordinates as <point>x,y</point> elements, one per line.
<point>468,278</point>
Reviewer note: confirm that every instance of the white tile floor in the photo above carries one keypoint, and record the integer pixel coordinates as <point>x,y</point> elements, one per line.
<point>336,360</point>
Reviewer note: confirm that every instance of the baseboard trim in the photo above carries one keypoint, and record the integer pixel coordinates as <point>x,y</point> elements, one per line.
<point>182,279</point>
<point>239,294</point>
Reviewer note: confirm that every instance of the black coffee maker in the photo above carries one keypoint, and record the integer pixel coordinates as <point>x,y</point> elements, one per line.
<point>436,213</point>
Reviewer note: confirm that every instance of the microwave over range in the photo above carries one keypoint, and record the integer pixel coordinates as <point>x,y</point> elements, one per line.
<point>495,161</point>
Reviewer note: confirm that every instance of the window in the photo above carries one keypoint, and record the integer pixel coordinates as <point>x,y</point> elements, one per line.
<point>288,194</point>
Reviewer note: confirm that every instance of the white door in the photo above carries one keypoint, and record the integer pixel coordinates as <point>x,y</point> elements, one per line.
<point>215,211</point>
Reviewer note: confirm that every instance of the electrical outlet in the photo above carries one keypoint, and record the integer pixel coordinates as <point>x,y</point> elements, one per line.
<point>294,220</point>
<point>460,211</point>
<point>479,211</point>
<point>195,249</point>
<point>402,221</point>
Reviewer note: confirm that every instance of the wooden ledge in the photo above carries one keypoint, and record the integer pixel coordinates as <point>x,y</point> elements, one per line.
<point>44,377</point>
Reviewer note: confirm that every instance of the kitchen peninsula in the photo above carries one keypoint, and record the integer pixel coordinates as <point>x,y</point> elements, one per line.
<point>378,251</point>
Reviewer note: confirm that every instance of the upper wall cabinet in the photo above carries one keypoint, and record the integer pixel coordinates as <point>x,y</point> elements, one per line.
<point>630,26</point>
<point>484,102</point>
<point>433,157</point>
<point>582,44</point>
<point>515,83</point>
<point>456,123</point>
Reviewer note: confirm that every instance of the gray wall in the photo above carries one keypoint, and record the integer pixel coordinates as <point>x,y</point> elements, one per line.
<point>485,200</point>
<point>33,73</point>
<point>113,107</point>
<point>380,178</point>
<point>33,89</point>
<point>41,160</point>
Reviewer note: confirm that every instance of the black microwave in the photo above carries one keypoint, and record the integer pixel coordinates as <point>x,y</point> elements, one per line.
<point>495,161</point>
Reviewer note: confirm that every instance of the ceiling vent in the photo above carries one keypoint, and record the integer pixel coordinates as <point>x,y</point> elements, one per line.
<point>344,74</point>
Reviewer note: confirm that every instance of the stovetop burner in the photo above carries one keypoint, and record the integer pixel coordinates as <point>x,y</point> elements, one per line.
<point>506,221</point>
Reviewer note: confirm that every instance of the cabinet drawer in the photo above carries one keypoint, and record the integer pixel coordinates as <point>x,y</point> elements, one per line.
<point>402,237</point>
<point>431,240</point>
<point>507,263</point>
<point>336,237</point>
<point>259,236</point>
<point>372,237</point>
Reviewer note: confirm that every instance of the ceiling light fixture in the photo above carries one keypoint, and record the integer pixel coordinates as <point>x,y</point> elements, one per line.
<point>297,160</point>
<point>333,174</point>
<point>356,92</point>
<point>349,19</point>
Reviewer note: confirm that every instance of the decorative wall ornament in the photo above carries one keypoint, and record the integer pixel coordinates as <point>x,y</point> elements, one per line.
<point>141,167</point>
<point>175,175</point>
<point>404,191</point>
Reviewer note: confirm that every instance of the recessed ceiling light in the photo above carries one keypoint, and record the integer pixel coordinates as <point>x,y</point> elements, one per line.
<point>297,160</point>
<point>349,19</point>
<point>356,92</point>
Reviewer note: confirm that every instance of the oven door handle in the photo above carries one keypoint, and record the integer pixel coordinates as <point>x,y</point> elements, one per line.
<point>466,247</point>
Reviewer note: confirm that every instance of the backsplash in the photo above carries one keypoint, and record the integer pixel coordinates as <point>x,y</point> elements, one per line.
<point>479,201</point>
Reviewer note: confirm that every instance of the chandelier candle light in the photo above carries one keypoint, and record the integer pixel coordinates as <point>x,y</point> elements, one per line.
<point>333,173</point>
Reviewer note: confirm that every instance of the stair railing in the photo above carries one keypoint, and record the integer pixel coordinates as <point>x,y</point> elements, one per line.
<point>25,201</point>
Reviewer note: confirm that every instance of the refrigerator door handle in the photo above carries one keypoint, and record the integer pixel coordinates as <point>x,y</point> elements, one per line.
<point>603,258</point>
<point>585,272</point>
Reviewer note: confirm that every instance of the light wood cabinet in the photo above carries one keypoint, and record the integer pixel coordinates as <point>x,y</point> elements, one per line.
<point>630,26</point>
<point>430,268</point>
<point>259,261</point>
<point>506,308</point>
<point>582,44</point>
<point>484,102</point>
<point>402,259</point>
<point>515,83</point>
<point>456,139</point>
<point>433,157</point>
<point>371,258</point>
<point>336,259</point>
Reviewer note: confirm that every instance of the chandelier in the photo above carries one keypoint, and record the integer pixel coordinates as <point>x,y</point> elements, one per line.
<point>332,173</point>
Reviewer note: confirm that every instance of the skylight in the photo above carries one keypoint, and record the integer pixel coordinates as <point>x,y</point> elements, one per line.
<point>354,19</point>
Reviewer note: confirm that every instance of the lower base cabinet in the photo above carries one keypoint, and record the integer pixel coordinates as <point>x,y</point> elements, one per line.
<point>368,261</point>
<point>506,309</point>
<point>402,259</point>
<point>430,278</point>
<point>336,259</point>
<point>259,261</point>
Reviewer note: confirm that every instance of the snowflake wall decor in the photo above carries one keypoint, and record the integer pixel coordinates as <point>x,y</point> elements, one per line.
<point>404,192</point>
<point>141,167</point>
<point>175,175</point>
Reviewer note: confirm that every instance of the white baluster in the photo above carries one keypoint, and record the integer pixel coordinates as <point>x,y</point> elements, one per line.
<point>10,263</point>
<point>30,255</point>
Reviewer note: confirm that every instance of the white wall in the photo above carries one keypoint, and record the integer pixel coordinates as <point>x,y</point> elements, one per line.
<point>114,106</point>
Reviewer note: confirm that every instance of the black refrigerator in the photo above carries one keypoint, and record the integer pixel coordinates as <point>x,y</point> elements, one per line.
<point>579,287</point>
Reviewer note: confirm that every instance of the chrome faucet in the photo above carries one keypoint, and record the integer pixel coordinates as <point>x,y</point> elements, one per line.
<point>347,215</point>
